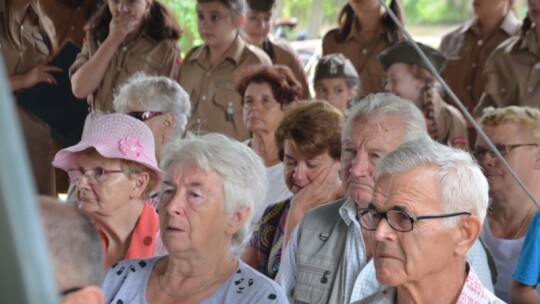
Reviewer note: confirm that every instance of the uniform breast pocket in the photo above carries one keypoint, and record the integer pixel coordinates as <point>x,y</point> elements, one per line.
<point>312,284</point>
<point>143,63</point>
<point>229,102</point>
<point>499,89</point>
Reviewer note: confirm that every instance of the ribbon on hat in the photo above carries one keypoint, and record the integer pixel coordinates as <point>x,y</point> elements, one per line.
<point>130,147</point>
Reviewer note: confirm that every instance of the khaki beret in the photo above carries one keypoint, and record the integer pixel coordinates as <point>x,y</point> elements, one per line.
<point>335,66</point>
<point>404,52</point>
<point>261,5</point>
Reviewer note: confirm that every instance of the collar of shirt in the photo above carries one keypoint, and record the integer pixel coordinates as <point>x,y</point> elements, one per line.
<point>529,42</point>
<point>473,292</point>
<point>233,53</point>
<point>348,212</point>
<point>355,33</point>
<point>510,25</point>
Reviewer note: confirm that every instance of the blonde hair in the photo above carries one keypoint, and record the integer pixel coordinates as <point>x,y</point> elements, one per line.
<point>526,117</point>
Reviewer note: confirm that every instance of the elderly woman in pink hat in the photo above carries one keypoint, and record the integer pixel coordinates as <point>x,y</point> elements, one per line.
<point>115,170</point>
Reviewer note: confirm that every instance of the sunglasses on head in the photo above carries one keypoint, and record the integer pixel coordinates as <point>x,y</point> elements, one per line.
<point>144,116</point>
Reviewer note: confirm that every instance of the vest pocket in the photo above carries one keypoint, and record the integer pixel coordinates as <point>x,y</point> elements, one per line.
<point>313,284</point>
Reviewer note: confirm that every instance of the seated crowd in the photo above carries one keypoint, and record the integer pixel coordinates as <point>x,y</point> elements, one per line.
<point>214,178</point>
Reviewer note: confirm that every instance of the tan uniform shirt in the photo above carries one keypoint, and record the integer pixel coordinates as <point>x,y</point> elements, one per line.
<point>141,54</point>
<point>216,106</point>
<point>68,22</point>
<point>363,54</point>
<point>512,74</point>
<point>467,53</point>
<point>451,125</point>
<point>35,48</point>
<point>283,53</point>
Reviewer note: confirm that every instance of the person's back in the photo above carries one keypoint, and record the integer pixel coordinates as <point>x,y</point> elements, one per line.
<point>75,251</point>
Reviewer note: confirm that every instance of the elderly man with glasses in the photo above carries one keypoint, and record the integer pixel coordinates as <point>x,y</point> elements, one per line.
<point>515,132</point>
<point>427,211</point>
<point>326,257</point>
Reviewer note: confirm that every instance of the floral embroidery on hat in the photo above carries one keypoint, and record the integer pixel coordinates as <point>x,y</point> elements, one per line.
<point>130,147</point>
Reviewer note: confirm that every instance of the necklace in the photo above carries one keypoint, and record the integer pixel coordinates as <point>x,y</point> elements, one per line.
<point>192,291</point>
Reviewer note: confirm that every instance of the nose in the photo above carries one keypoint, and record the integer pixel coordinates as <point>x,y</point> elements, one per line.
<point>488,160</point>
<point>300,172</point>
<point>82,183</point>
<point>360,166</point>
<point>383,231</point>
<point>176,204</point>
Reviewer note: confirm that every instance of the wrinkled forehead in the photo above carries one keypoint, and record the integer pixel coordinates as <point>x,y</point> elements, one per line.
<point>384,133</point>
<point>414,190</point>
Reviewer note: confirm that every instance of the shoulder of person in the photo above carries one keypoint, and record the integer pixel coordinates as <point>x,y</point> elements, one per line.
<point>257,53</point>
<point>195,50</point>
<point>255,285</point>
<point>282,45</point>
<point>324,214</point>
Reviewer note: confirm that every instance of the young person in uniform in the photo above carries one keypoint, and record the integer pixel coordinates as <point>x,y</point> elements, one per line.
<point>26,41</point>
<point>125,37</point>
<point>255,31</point>
<point>468,47</point>
<point>409,78</point>
<point>364,31</point>
<point>336,81</point>
<point>208,73</point>
<point>512,72</point>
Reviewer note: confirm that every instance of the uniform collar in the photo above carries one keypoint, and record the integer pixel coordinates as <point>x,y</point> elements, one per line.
<point>355,31</point>
<point>510,25</point>
<point>233,53</point>
<point>348,210</point>
<point>529,42</point>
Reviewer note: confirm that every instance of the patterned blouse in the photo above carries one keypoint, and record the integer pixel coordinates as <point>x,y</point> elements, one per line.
<point>267,237</point>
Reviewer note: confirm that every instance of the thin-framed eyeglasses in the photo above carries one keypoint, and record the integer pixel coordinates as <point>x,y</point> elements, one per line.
<point>480,152</point>
<point>93,176</point>
<point>145,115</point>
<point>399,220</point>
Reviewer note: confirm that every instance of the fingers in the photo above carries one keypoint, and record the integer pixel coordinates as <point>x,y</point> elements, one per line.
<point>50,68</point>
<point>48,78</point>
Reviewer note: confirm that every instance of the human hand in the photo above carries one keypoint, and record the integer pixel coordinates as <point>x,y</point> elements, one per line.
<point>326,187</point>
<point>40,73</point>
<point>121,25</point>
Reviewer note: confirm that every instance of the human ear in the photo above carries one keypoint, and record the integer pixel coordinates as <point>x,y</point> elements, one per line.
<point>237,219</point>
<point>468,230</point>
<point>140,182</point>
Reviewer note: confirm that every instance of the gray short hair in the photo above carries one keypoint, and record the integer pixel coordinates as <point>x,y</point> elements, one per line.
<point>463,186</point>
<point>241,169</point>
<point>155,93</point>
<point>380,105</point>
<point>74,245</point>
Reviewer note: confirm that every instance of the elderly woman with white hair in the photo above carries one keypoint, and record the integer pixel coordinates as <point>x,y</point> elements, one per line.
<point>212,184</point>
<point>159,102</point>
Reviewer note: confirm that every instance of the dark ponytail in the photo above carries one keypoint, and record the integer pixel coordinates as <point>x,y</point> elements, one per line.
<point>390,25</point>
<point>525,27</point>
<point>345,20</point>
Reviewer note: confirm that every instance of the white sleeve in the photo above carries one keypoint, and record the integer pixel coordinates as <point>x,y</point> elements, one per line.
<point>286,276</point>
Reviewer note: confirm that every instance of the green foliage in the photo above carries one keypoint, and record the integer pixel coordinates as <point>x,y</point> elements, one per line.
<point>187,17</point>
<point>436,12</point>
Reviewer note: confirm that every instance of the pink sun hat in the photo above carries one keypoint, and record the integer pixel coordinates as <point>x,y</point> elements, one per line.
<point>114,136</point>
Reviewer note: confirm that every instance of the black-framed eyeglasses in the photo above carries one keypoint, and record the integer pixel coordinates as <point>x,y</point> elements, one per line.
<point>65,292</point>
<point>480,152</point>
<point>146,115</point>
<point>399,220</point>
<point>93,176</point>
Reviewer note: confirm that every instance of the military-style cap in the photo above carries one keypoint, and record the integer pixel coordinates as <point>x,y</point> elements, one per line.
<point>335,66</point>
<point>261,5</point>
<point>404,52</point>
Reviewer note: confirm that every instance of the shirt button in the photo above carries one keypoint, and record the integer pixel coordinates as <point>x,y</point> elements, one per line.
<point>203,97</point>
<point>22,27</point>
<point>503,90</point>
<point>480,42</point>
<point>72,28</point>
<point>208,74</point>
<point>469,88</point>
<point>124,48</point>
<point>78,8</point>
<point>474,65</point>
<point>537,66</point>
<point>530,89</point>
<point>364,51</point>
<point>199,120</point>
